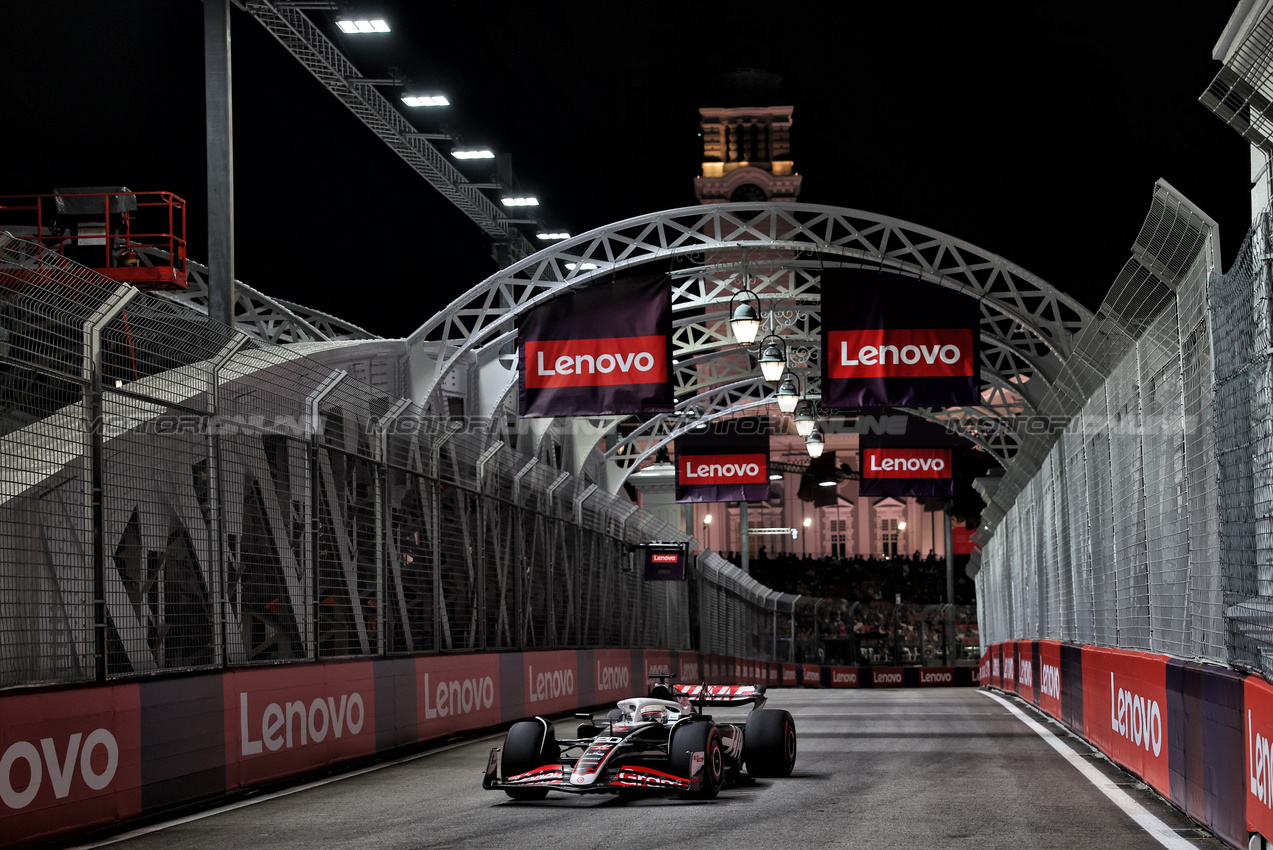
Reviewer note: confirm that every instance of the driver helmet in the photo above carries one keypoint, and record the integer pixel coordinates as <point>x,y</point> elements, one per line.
<point>652,714</point>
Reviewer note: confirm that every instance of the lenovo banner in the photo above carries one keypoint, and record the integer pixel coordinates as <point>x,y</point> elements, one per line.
<point>844,677</point>
<point>599,351</point>
<point>70,759</point>
<point>1258,701</point>
<point>919,461</point>
<point>729,462</point>
<point>282,721</point>
<point>1050,677</point>
<point>1125,711</point>
<point>889,340</point>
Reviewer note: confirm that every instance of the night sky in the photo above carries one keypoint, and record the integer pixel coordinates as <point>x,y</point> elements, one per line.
<point>1035,131</point>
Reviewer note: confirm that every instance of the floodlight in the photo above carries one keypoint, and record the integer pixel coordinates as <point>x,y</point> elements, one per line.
<point>425,100</point>
<point>520,202</point>
<point>473,153</point>
<point>360,25</point>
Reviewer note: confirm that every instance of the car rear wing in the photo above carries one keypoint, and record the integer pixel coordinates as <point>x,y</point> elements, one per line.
<point>723,695</point>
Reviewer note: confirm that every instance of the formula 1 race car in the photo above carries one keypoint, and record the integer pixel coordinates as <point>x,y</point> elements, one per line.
<point>659,744</point>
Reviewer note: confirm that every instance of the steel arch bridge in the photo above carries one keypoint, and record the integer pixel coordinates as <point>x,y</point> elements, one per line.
<point>1029,329</point>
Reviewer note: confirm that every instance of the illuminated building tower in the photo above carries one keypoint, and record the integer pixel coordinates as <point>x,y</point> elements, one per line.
<point>747,149</point>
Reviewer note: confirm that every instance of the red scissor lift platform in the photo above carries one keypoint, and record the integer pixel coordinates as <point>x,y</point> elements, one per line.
<point>105,228</point>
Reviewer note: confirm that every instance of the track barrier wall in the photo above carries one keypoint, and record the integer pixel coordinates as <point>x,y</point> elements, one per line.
<point>80,758</point>
<point>1198,734</point>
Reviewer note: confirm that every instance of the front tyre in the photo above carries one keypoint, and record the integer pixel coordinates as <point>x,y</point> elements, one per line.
<point>529,744</point>
<point>690,738</point>
<point>769,743</point>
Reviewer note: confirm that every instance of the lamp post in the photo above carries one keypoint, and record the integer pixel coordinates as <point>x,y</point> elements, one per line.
<point>707,530</point>
<point>808,521</point>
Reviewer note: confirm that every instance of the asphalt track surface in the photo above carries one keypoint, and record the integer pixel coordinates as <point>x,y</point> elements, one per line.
<point>915,768</point>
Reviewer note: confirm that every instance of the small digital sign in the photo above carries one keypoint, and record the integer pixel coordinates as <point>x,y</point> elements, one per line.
<point>664,562</point>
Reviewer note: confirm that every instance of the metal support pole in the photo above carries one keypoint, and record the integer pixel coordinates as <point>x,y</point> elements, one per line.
<point>950,588</point>
<point>91,375</point>
<point>216,481</point>
<point>220,132</point>
<point>312,517</point>
<point>745,558</point>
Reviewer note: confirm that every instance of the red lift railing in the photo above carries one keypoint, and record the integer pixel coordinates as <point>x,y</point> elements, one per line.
<point>102,228</point>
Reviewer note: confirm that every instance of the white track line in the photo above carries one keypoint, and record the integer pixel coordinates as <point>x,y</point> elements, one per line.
<point>318,783</point>
<point>1165,835</point>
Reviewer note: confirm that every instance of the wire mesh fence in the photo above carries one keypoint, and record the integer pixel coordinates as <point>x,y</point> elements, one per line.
<point>176,496</point>
<point>1146,528</point>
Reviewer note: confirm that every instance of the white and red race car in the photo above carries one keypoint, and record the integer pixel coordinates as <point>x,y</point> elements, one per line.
<point>663,743</point>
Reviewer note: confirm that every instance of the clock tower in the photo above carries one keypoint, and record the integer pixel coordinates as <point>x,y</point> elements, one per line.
<point>747,149</point>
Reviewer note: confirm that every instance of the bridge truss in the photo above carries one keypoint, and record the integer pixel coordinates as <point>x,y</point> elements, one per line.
<point>1028,328</point>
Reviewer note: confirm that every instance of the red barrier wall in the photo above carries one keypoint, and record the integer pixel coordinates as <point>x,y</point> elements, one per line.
<point>1182,727</point>
<point>844,677</point>
<point>75,759</point>
<point>71,760</point>
<point>281,721</point>
<point>1125,711</point>
<point>886,677</point>
<point>458,692</point>
<point>936,677</point>
<point>1025,670</point>
<point>1049,686</point>
<point>1258,734</point>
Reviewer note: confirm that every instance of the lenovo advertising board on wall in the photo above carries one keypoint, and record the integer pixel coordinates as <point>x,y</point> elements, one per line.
<point>889,340</point>
<point>598,351</point>
<point>919,461</point>
<point>727,462</point>
<point>665,561</point>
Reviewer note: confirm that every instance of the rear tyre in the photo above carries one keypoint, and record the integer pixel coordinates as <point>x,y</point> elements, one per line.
<point>769,743</point>
<point>689,738</point>
<point>528,745</point>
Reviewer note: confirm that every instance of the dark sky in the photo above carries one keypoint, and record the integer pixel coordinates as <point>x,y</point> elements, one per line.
<point>1032,130</point>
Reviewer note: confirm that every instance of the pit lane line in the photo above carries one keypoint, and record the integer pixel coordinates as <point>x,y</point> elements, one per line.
<point>1158,830</point>
<point>275,795</point>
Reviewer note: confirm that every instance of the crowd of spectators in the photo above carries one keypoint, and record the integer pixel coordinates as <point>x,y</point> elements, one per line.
<point>915,579</point>
<point>873,610</point>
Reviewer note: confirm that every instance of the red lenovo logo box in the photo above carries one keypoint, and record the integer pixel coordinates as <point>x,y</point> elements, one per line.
<point>906,463</point>
<point>596,362</point>
<point>723,469</point>
<point>901,353</point>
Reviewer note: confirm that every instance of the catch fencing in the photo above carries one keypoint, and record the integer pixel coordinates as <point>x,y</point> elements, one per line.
<point>176,496</point>
<point>1146,525</point>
